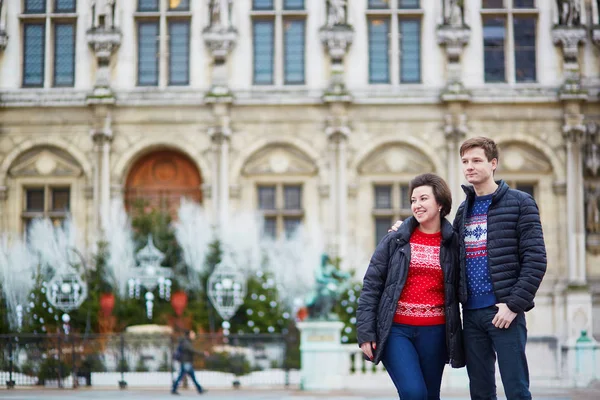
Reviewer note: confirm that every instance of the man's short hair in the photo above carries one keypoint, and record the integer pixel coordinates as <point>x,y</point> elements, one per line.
<point>488,145</point>
<point>440,188</point>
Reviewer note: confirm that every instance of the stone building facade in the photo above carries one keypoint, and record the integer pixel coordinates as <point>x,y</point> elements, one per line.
<point>315,111</point>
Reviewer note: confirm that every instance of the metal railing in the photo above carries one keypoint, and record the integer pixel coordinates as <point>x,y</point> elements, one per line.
<point>68,361</point>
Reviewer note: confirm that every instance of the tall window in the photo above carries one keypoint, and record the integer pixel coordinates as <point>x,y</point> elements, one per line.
<point>391,202</point>
<point>279,36</point>
<point>49,32</point>
<point>394,30</point>
<point>281,206</point>
<point>509,35</point>
<point>163,53</point>
<point>46,202</point>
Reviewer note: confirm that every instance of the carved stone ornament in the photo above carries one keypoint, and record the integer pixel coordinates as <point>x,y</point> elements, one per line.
<point>454,40</point>
<point>453,13</point>
<point>569,12</point>
<point>569,39</point>
<point>104,42</point>
<point>3,40</point>
<point>3,35</point>
<point>592,211</point>
<point>337,40</point>
<point>336,13</point>
<point>220,41</point>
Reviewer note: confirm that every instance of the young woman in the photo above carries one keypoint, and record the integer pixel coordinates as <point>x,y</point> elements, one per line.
<point>408,315</point>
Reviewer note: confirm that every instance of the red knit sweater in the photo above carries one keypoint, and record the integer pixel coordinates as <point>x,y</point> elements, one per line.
<point>422,299</point>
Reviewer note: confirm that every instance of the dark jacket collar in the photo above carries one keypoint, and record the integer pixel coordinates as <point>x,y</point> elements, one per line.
<point>410,224</point>
<point>500,191</point>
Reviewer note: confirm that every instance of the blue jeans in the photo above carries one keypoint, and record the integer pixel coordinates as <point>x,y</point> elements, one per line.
<point>186,368</point>
<point>483,341</point>
<point>414,357</point>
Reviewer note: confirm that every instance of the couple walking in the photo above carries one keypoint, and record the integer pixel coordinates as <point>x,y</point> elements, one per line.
<point>491,260</point>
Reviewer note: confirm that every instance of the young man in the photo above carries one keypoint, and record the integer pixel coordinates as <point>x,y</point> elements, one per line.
<point>502,263</point>
<point>186,359</point>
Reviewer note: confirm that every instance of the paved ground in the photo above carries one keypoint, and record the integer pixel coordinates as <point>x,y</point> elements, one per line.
<point>99,394</point>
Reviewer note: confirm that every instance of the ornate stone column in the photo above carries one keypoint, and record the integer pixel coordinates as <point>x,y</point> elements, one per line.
<point>574,134</point>
<point>338,134</point>
<point>3,35</point>
<point>220,135</point>
<point>592,188</point>
<point>102,138</point>
<point>220,38</point>
<point>104,38</point>
<point>455,131</point>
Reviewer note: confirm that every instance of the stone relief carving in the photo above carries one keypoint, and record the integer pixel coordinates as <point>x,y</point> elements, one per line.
<point>396,159</point>
<point>220,12</point>
<point>103,14</point>
<point>569,12</point>
<point>336,13</point>
<point>45,162</point>
<point>453,12</point>
<point>592,197</point>
<point>279,160</point>
<point>523,158</point>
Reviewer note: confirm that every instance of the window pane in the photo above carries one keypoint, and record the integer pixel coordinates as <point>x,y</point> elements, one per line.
<point>492,4</point>
<point>383,197</point>
<point>379,4</point>
<point>64,6</point>
<point>524,28</point>
<point>270,228</point>
<point>33,60</point>
<point>494,33</point>
<point>263,52</point>
<point>381,228</point>
<point>408,3</point>
<point>266,197</point>
<point>404,197</point>
<point>379,66</point>
<point>148,54</point>
<point>294,52</point>
<point>179,53</point>
<point>290,225</point>
<point>292,197</point>
<point>35,6</point>
<point>262,4</point>
<point>64,54</point>
<point>147,5</point>
<point>179,5</point>
<point>527,188</point>
<point>410,51</point>
<point>34,200</point>
<point>523,4</point>
<point>293,4</point>
<point>61,199</point>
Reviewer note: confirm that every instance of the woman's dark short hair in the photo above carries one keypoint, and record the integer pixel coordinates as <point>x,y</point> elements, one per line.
<point>440,188</point>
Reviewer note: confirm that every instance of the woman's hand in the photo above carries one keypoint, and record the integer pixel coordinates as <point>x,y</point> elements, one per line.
<point>368,348</point>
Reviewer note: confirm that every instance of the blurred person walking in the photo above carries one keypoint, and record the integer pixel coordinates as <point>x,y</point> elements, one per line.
<point>185,355</point>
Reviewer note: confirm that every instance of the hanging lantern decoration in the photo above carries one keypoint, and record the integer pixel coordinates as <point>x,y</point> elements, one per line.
<point>66,291</point>
<point>226,288</point>
<point>149,274</point>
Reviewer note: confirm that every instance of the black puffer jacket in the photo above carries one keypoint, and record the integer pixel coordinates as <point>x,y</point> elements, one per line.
<point>515,246</point>
<point>385,279</point>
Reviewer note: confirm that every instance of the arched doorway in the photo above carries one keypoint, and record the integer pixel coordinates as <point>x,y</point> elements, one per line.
<point>160,179</point>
